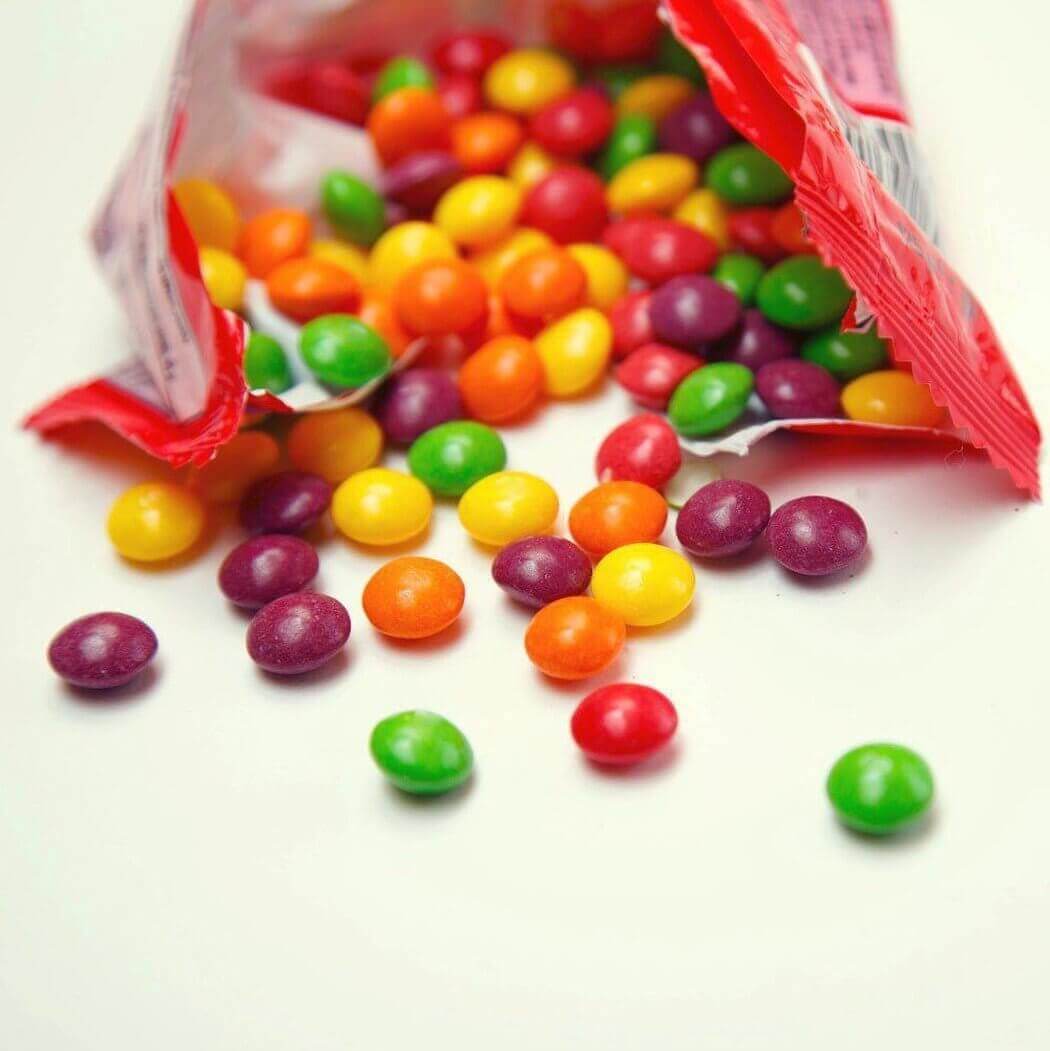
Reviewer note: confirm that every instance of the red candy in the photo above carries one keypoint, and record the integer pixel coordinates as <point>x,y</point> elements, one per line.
<point>656,250</point>
<point>643,449</point>
<point>324,87</point>
<point>623,723</point>
<point>651,373</point>
<point>787,230</point>
<point>751,230</point>
<point>631,327</point>
<point>469,52</point>
<point>460,95</point>
<point>575,124</point>
<point>568,205</point>
<point>611,32</point>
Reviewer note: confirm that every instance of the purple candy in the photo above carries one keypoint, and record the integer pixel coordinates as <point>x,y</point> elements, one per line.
<point>415,400</point>
<point>692,310</point>
<point>420,179</point>
<point>722,518</point>
<point>695,128</point>
<point>297,633</point>
<point>756,342</point>
<point>797,390</point>
<point>289,502</point>
<point>267,567</point>
<point>816,535</point>
<point>102,650</point>
<point>540,569</point>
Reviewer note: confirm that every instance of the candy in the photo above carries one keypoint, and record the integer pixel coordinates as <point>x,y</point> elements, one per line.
<point>403,247</point>
<point>102,650</point>
<point>346,256</point>
<point>460,95</point>
<point>304,289</point>
<point>742,174</point>
<point>673,57</point>
<point>539,570</point>
<point>543,285</point>
<point>209,212</point>
<point>485,142</point>
<point>413,598</point>
<point>891,397</point>
<point>573,125</point>
<point>740,273</point>
<point>651,373</point>
<point>380,507</point>
<point>502,381</point>
<point>574,352</point>
<point>710,399</point>
<point>494,260</point>
<point>478,210</point>
<point>530,164</point>
<point>297,633</point>
<point>802,293</point>
<point>846,355</point>
<point>623,723</point>
<point>617,513</point>
<point>568,205</point>
<point>607,277</point>
<point>155,521</point>
<point>793,389</point>
<point>451,457</point>
<point>406,121</point>
<point>266,567</point>
<point>289,502</point>
<point>507,506</point>
<point>419,180</point>
<point>401,72</point>
<point>880,789</point>
<point>632,137</point>
<point>656,250</point>
<point>691,311</point>
<point>656,182</point>
<point>704,210</point>
<point>273,238</point>
<point>224,277</point>
<point>574,638</point>
<point>526,80</point>
<point>242,461</point>
<point>343,351</point>
<point>421,753</point>
<point>722,518</point>
<point>645,584</point>
<point>469,51</point>
<point>751,231</point>
<point>654,96</point>
<point>619,29</point>
<point>355,210</point>
<point>415,400</point>
<point>642,449</point>
<point>330,88</point>
<point>816,535</point>
<point>788,229</point>
<point>755,342</point>
<point>695,129</point>
<point>440,297</point>
<point>265,365</point>
<point>335,444</point>
<point>630,323</point>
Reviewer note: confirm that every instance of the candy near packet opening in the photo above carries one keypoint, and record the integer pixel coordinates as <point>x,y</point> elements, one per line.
<point>812,83</point>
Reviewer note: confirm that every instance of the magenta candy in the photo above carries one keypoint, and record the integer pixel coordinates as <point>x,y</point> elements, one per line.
<point>657,250</point>
<point>695,128</point>
<point>541,569</point>
<point>460,94</point>
<point>297,633</point>
<point>651,373</point>
<point>642,449</point>
<point>575,124</point>
<point>266,567</point>
<point>102,650</point>
<point>568,205</point>
<point>816,535</point>
<point>631,327</point>
<point>693,311</point>
<point>289,502</point>
<point>756,342</point>
<point>794,389</point>
<point>421,178</point>
<point>722,518</point>
<point>415,400</point>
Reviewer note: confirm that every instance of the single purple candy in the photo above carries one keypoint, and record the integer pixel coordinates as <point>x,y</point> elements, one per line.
<point>816,535</point>
<point>722,518</point>
<point>266,567</point>
<point>692,310</point>
<point>695,128</point>
<point>797,390</point>
<point>297,633</point>
<point>416,400</point>
<point>540,569</point>
<point>102,650</point>
<point>289,502</point>
<point>756,342</point>
<point>420,179</point>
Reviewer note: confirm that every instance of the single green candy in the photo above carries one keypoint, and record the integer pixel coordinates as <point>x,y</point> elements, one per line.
<point>401,72</point>
<point>265,365</point>
<point>450,458</point>
<point>353,207</point>
<point>617,78</point>
<point>740,273</point>
<point>343,351</point>
<point>633,136</point>
<point>743,174</point>
<point>673,57</point>
<point>421,752</point>
<point>803,293</point>
<point>710,399</point>
<point>846,355</point>
<point>880,789</point>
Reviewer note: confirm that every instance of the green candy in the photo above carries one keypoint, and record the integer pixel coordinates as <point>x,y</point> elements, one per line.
<point>421,753</point>
<point>880,789</point>
<point>398,73</point>
<point>617,78</point>
<point>743,174</point>
<point>673,57</point>
<point>450,458</point>
<point>740,273</point>
<point>353,207</point>
<point>710,399</point>
<point>802,293</point>
<point>846,355</point>
<point>343,351</point>
<point>633,136</point>
<point>265,365</point>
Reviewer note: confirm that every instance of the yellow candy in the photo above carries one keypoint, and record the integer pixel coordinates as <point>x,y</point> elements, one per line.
<point>606,276</point>
<point>574,351</point>
<point>155,521</point>
<point>210,212</point>
<point>645,583</point>
<point>224,277</point>
<point>492,262</point>
<point>705,211</point>
<point>401,248</point>
<point>653,183</point>
<point>507,506</point>
<point>525,80</point>
<point>891,396</point>
<point>478,210</point>
<point>346,256</point>
<point>654,96</point>
<point>335,444</point>
<point>382,507</point>
<point>241,462</point>
<point>530,164</point>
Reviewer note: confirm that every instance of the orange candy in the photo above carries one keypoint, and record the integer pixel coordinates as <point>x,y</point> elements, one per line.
<point>303,289</point>
<point>617,513</point>
<point>574,637</point>
<point>786,228</point>
<point>377,312</point>
<point>413,598</point>
<point>543,285</point>
<point>484,143</point>
<point>441,297</point>
<point>273,238</point>
<point>406,121</point>
<point>502,380</point>
<point>500,323</point>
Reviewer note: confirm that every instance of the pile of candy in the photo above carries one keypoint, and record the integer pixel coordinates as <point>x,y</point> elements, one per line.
<point>536,221</point>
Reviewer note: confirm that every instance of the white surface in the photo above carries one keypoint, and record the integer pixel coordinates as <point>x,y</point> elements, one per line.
<point>213,863</point>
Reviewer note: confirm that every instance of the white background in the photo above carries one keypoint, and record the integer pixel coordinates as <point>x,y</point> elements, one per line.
<point>212,863</point>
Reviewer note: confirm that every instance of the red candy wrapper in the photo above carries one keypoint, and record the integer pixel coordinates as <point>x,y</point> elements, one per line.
<point>811,82</point>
